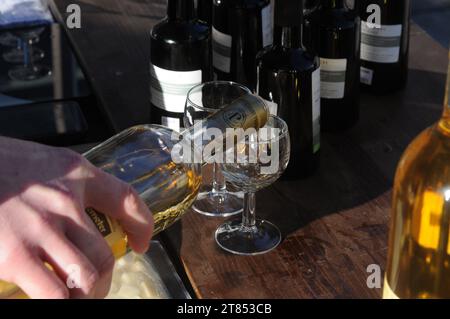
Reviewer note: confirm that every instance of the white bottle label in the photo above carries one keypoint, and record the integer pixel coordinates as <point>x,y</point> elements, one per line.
<point>366,76</point>
<point>316,109</point>
<point>169,88</point>
<point>171,122</point>
<point>332,78</point>
<point>267,30</point>
<point>380,44</point>
<point>221,43</point>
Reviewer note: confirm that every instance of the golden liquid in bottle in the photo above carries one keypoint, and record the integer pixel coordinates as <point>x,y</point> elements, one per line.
<point>419,246</point>
<point>173,190</point>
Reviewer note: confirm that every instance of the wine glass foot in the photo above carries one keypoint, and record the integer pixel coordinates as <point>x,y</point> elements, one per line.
<point>223,204</point>
<point>233,237</point>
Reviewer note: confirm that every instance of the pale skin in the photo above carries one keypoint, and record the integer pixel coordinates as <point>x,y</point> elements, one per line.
<point>43,194</point>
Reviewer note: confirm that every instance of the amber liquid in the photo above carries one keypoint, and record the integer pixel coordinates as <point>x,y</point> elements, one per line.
<point>174,189</point>
<point>419,247</point>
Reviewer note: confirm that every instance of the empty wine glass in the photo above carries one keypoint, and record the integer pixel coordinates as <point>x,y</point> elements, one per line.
<point>203,100</point>
<point>257,162</point>
<point>29,71</point>
<point>16,54</point>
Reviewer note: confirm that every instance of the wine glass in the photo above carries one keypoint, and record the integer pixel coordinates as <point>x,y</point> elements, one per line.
<point>17,54</point>
<point>29,71</point>
<point>203,100</point>
<point>257,162</point>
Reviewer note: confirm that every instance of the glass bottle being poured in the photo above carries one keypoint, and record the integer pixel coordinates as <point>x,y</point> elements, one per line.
<point>163,166</point>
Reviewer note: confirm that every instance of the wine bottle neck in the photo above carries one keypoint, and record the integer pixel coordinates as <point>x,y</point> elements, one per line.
<point>288,37</point>
<point>244,113</point>
<point>288,23</point>
<point>183,10</point>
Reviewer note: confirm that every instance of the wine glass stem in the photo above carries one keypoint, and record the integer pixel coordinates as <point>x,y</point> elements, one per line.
<point>219,185</point>
<point>27,54</point>
<point>248,215</point>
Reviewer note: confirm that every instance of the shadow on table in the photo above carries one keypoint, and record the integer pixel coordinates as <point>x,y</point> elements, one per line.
<point>359,165</point>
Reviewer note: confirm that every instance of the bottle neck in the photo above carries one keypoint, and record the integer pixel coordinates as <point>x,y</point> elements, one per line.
<point>288,21</point>
<point>333,4</point>
<point>288,37</point>
<point>246,112</point>
<point>183,10</point>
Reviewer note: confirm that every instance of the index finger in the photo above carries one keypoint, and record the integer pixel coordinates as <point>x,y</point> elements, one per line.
<point>120,201</point>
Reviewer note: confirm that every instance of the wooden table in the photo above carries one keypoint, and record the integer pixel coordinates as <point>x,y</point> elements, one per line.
<point>334,224</point>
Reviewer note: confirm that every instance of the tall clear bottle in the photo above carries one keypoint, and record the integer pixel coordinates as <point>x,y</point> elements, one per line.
<point>163,166</point>
<point>180,58</point>
<point>419,246</point>
<point>289,78</point>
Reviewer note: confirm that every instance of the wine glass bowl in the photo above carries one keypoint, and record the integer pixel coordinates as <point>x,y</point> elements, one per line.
<point>258,161</point>
<point>253,175</point>
<point>26,51</point>
<point>17,54</point>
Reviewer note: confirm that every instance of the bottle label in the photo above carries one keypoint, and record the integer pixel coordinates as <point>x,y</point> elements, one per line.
<point>387,291</point>
<point>332,77</point>
<point>111,230</point>
<point>380,44</point>
<point>100,221</point>
<point>267,30</point>
<point>316,109</point>
<point>366,76</point>
<point>171,122</point>
<point>169,88</point>
<point>245,112</point>
<point>221,43</point>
